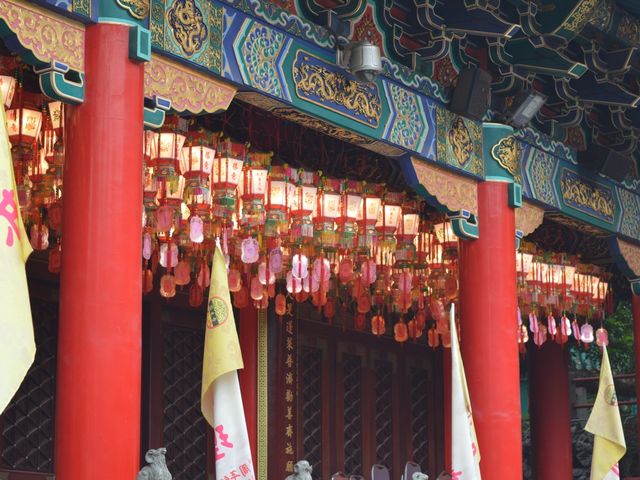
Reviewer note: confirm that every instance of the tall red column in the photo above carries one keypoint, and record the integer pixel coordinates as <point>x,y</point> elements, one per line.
<point>99,343</point>
<point>635,305</point>
<point>248,376</point>
<point>550,409</point>
<point>488,336</point>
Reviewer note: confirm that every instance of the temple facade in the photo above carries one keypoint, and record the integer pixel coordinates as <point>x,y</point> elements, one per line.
<point>488,158</point>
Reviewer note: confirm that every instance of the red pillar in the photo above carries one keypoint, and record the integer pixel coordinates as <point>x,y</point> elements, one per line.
<point>550,409</point>
<point>248,376</point>
<point>635,305</point>
<point>488,336</point>
<point>99,344</point>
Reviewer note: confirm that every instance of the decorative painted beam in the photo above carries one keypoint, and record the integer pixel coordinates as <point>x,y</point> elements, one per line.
<point>40,36</point>
<point>597,201</point>
<point>442,188</point>
<point>528,218</point>
<point>627,258</point>
<point>590,90</point>
<point>477,18</point>
<point>537,54</point>
<point>187,89</point>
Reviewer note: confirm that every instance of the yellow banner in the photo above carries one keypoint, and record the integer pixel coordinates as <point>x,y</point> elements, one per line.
<point>605,423</point>
<point>221,346</point>
<point>17,345</point>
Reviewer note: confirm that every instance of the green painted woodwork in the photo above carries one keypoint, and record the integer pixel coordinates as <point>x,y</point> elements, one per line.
<point>515,195</point>
<point>464,225</point>
<point>155,112</point>
<point>139,44</point>
<point>128,12</point>
<point>59,83</point>
<point>495,162</point>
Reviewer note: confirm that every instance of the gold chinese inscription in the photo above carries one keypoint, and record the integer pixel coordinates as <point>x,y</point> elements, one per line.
<point>507,153</point>
<point>588,197</point>
<point>335,91</point>
<point>290,389</point>
<point>137,8</point>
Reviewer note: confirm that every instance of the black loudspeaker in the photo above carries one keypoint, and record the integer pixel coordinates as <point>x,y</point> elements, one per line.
<point>472,95</point>
<point>607,162</point>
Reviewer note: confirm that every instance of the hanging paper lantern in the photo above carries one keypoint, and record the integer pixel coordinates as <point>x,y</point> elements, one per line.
<point>25,119</point>
<point>326,212</point>
<point>250,250</point>
<point>278,197</point>
<point>524,263</point>
<point>253,188</point>
<point>7,89</point>
<point>586,334</point>
<point>226,176</point>
<point>196,163</point>
<point>378,325</point>
<point>602,337</point>
<point>400,333</point>
<point>445,235</point>
<point>303,204</point>
<point>350,206</point>
<point>169,213</point>
<point>168,152</point>
<point>367,219</point>
<point>406,253</point>
<point>42,192</point>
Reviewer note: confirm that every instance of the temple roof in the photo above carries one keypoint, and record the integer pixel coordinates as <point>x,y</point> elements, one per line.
<point>583,54</point>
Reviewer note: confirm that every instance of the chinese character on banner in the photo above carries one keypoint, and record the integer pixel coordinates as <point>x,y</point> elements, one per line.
<point>244,470</point>
<point>224,442</point>
<point>9,212</point>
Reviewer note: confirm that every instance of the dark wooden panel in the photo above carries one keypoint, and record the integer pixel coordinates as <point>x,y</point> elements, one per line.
<point>310,365</point>
<point>352,413</point>
<point>28,421</point>
<point>184,427</point>
<point>377,398</point>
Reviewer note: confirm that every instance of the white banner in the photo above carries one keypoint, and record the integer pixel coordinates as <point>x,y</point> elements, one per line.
<point>465,454</point>
<point>232,449</point>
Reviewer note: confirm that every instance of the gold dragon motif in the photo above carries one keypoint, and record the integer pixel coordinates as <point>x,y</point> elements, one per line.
<point>587,197</point>
<point>333,87</point>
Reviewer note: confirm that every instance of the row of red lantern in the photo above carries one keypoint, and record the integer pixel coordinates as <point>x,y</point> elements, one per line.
<point>566,285</point>
<point>34,127</point>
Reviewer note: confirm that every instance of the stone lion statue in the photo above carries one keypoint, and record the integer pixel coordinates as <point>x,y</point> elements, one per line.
<point>301,471</point>
<point>157,468</point>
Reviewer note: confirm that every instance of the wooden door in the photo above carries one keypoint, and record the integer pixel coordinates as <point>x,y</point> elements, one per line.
<point>366,400</point>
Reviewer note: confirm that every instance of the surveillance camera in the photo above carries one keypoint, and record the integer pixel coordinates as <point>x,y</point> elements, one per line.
<point>362,59</point>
